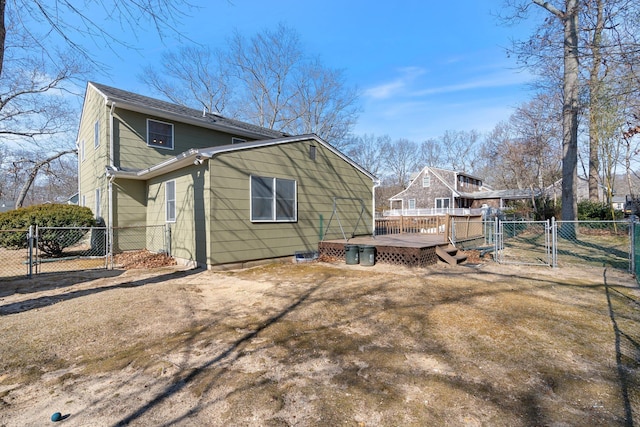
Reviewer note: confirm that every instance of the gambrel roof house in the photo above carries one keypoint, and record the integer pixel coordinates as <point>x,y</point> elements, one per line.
<point>435,190</point>
<point>232,192</point>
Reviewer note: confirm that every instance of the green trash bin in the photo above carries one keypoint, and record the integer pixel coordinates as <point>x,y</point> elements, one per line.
<point>351,253</point>
<point>367,255</point>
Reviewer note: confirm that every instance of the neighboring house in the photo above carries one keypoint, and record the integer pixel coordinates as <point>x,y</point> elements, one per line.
<point>618,202</point>
<point>73,199</point>
<point>232,192</point>
<point>435,190</point>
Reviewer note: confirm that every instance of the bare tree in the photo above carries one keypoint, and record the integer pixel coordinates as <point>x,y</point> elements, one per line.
<point>565,12</point>
<point>431,153</point>
<point>266,80</point>
<point>368,151</point>
<point>402,159</point>
<point>42,53</point>
<point>204,80</point>
<point>460,149</point>
<point>524,152</point>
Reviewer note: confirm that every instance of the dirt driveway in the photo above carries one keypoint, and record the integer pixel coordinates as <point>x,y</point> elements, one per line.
<point>322,344</point>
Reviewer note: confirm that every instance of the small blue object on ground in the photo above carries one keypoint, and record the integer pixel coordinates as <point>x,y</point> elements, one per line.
<point>57,416</point>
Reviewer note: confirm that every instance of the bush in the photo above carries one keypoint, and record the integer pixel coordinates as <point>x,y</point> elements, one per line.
<point>50,243</point>
<point>589,210</point>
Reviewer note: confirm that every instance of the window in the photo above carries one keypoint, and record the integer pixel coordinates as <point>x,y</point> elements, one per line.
<point>170,200</point>
<point>442,203</point>
<point>159,134</point>
<point>98,211</point>
<point>426,180</point>
<point>312,152</point>
<point>96,134</point>
<point>273,199</point>
<point>412,203</point>
<point>235,140</point>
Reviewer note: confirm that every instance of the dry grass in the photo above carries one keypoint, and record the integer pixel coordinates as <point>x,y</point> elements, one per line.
<point>323,344</point>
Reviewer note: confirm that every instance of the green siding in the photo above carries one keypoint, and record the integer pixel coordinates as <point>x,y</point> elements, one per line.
<point>92,168</point>
<point>235,238</point>
<point>132,152</point>
<point>189,231</point>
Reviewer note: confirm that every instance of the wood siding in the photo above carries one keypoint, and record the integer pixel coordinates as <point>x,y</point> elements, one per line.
<point>93,162</point>
<point>189,232</point>
<point>132,151</point>
<point>235,238</point>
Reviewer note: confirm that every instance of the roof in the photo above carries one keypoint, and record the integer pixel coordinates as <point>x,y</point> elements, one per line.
<point>167,110</point>
<point>198,155</point>
<point>500,194</point>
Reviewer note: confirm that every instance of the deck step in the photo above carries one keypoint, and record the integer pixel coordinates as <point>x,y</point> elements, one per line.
<point>450,255</point>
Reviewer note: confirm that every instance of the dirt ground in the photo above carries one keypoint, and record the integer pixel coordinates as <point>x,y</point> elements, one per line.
<point>322,344</point>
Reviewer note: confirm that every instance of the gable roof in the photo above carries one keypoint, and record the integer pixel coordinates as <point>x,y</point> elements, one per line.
<point>197,155</point>
<point>167,110</point>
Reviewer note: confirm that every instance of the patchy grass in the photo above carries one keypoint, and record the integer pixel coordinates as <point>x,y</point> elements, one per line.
<point>325,344</point>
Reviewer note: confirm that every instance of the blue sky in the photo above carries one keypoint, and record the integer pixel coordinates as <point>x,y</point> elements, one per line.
<point>423,67</point>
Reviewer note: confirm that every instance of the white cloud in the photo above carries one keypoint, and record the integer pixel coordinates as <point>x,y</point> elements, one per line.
<point>493,81</point>
<point>397,86</point>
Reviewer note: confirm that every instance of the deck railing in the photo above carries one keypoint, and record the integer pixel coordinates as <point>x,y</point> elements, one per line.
<point>458,227</point>
<point>432,212</point>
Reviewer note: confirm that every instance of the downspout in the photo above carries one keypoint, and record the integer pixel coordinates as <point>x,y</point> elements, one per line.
<point>110,184</point>
<point>79,176</point>
<point>376,184</point>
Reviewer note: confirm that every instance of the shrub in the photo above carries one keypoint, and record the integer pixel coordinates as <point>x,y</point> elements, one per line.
<point>589,210</point>
<point>51,242</point>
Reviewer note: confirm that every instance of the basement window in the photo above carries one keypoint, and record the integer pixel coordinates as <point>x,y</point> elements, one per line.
<point>159,134</point>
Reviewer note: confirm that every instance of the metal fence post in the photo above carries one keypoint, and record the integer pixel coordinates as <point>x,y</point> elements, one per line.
<point>554,242</point>
<point>167,234</point>
<point>30,251</point>
<point>632,246</point>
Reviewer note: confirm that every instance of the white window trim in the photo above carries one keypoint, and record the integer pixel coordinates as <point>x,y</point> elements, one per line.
<point>96,134</point>
<point>426,178</point>
<point>409,204</point>
<point>448,199</point>
<point>169,218</point>
<point>149,144</point>
<point>273,200</point>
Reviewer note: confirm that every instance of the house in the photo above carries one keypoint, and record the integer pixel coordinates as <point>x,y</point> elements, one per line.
<point>435,191</point>
<point>230,191</point>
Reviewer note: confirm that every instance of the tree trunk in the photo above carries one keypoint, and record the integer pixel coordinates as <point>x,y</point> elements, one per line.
<point>569,210</point>
<point>33,173</point>
<point>3,32</point>
<point>569,18</point>
<point>594,104</point>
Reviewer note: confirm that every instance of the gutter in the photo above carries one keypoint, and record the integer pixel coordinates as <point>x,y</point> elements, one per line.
<point>192,156</point>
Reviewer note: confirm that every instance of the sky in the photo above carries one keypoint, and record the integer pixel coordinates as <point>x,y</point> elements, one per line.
<point>422,67</point>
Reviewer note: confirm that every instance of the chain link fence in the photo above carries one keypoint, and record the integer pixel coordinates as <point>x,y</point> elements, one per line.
<point>598,243</point>
<point>14,253</point>
<point>59,249</point>
<point>553,243</point>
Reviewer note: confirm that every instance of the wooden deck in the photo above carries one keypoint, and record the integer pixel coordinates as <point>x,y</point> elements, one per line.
<point>412,249</point>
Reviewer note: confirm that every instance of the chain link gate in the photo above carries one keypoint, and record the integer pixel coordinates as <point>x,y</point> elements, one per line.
<point>524,242</point>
